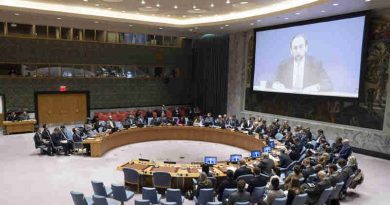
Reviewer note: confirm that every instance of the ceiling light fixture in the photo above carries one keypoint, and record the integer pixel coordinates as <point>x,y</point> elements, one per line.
<point>130,25</point>
<point>212,5</point>
<point>161,28</point>
<point>133,16</point>
<point>335,4</point>
<point>243,2</point>
<point>258,20</point>
<point>227,1</point>
<point>367,0</point>
<point>96,22</point>
<point>323,11</point>
<point>194,6</point>
<point>175,6</point>
<point>85,0</point>
<point>143,2</point>
<point>59,18</point>
<point>221,27</point>
<point>286,18</point>
<point>16,14</point>
<point>97,4</point>
<point>252,24</point>
<point>158,5</point>
<point>109,8</point>
<point>297,13</point>
<point>226,25</point>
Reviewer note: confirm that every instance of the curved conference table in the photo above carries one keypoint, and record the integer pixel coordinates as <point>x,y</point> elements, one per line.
<point>102,144</point>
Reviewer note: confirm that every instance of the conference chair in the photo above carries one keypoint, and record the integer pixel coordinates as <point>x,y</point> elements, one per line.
<point>214,203</point>
<point>79,199</point>
<point>101,200</point>
<point>141,202</point>
<point>324,196</point>
<point>168,203</point>
<point>335,195</point>
<point>246,178</point>
<point>303,151</point>
<point>300,199</point>
<point>132,177</point>
<point>226,194</point>
<point>257,194</point>
<point>150,193</point>
<point>205,195</point>
<point>100,189</point>
<point>311,178</point>
<point>288,169</point>
<point>162,180</point>
<point>242,203</point>
<point>174,195</point>
<point>301,158</point>
<point>348,183</point>
<point>280,201</point>
<point>56,149</point>
<point>120,193</point>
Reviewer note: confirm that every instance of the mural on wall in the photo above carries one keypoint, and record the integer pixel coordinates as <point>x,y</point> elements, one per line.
<point>367,111</point>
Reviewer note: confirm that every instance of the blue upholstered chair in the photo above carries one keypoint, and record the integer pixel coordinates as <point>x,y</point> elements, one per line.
<point>324,196</point>
<point>300,199</point>
<point>174,195</point>
<point>226,194</point>
<point>100,189</point>
<point>79,199</point>
<point>242,203</point>
<point>280,201</point>
<point>120,193</point>
<point>279,136</point>
<point>257,194</point>
<point>168,203</point>
<point>101,200</point>
<point>132,177</point>
<point>141,202</point>
<point>150,193</point>
<point>214,203</point>
<point>162,180</point>
<point>335,195</point>
<point>205,195</point>
<point>246,177</point>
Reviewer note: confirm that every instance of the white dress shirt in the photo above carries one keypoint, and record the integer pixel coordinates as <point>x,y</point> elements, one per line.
<point>298,74</point>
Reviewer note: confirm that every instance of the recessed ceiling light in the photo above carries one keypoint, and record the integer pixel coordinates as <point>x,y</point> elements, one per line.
<point>157,5</point>
<point>200,15</point>
<point>143,2</point>
<point>59,18</point>
<point>85,0</point>
<point>96,22</point>
<point>221,27</point>
<point>175,6</point>
<point>228,1</point>
<point>252,24</point>
<point>258,20</point>
<point>190,29</point>
<point>297,13</point>
<point>161,28</point>
<point>335,4</point>
<point>148,7</point>
<point>286,18</point>
<point>130,25</point>
<point>184,16</point>
<point>367,0</point>
<point>194,6</point>
<point>123,11</point>
<point>243,2</point>
<point>168,15</point>
<point>196,9</point>
<point>196,28</point>
<point>226,25</point>
<point>109,8</point>
<point>212,5</point>
<point>323,11</point>
<point>97,4</point>
<point>16,14</point>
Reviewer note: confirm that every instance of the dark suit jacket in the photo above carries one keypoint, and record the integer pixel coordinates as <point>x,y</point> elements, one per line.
<point>242,171</point>
<point>345,152</point>
<point>257,181</point>
<point>315,192</point>
<point>313,74</point>
<point>239,197</point>
<point>284,160</point>
<point>266,166</point>
<point>335,178</point>
<point>225,184</point>
<point>306,172</point>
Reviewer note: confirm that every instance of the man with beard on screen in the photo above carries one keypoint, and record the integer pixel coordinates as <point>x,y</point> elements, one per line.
<point>301,72</point>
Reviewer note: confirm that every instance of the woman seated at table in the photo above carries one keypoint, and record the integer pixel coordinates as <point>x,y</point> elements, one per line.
<point>294,190</point>
<point>296,174</point>
<point>202,183</point>
<point>273,193</point>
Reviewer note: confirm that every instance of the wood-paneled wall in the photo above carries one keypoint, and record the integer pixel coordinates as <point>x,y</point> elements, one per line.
<point>62,108</point>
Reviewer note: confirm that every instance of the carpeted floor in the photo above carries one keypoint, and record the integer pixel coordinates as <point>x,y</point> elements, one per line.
<point>29,178</point>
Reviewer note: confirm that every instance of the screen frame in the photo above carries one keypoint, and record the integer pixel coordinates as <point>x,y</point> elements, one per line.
<point>216,159</point>
<point>256,151</point>
<point>314,21</point>
<point>230,159</point>
<point>269,151</point>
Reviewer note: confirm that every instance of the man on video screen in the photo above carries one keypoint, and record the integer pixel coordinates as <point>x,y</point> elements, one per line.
<point>301,72</point>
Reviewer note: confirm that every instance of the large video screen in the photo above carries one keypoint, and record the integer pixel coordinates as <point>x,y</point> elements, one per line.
<point>315,59</point>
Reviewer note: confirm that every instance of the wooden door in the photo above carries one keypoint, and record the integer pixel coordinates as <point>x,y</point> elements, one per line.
<point>62,108</point>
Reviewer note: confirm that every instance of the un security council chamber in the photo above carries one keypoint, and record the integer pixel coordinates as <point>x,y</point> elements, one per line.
<point>194,102</point>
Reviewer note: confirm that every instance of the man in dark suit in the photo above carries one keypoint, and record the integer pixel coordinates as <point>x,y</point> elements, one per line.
<point>228,183</point>
<point>315,192</point>
<point>267,165</point>
<point>284,159</point>
<point>243,170</point>
<point>301,72</point>
<point>345,151</point>
<point>241,195</point>
<point>307,169</point>
<point>334,176</point>
<point>258,181</point>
